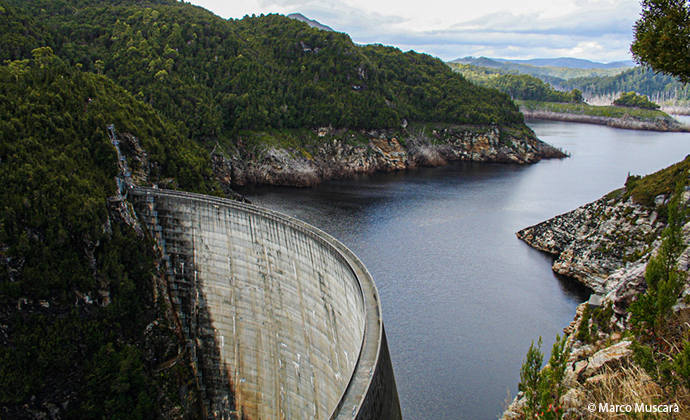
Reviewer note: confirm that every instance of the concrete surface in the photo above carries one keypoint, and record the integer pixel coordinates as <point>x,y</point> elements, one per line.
<point>282,321</point>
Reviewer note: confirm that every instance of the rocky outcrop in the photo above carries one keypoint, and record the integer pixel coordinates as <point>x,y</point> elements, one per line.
<point>137,159</point>
<point>605,245</point>
<point>344,153</point>
<point>593,241</point>
<point>629,122</point>
<point>222,169</point>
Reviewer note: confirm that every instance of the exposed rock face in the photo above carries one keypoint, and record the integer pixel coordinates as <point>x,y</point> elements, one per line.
<point>137,158</point>
<point>594,240</point>
<point>608,356</point>
<point>222,169</point>
<point>384,150</point>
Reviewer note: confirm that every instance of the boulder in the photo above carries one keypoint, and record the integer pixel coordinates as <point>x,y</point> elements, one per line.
<point>611,356</point>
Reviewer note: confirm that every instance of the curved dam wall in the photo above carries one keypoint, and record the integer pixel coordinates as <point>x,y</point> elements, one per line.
<point>282,321</point>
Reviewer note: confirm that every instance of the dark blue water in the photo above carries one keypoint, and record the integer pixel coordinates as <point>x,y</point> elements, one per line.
<point>462,297</point>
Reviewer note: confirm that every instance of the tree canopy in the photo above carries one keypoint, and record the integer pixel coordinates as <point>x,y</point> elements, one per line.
<point>61,243</point>
<point>216,77</point>
<point>662,37</point>
<point>633,100</point>
<point>519,86</point>
<point>642,80</point>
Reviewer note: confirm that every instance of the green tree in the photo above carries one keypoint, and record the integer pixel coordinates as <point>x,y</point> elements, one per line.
<point>543,388</point>
<point>530,378</point>
<point>662,37</point>
<point>633,100</point>
<point>576,96</point>
<point>651,311</point>
<point>44,55</point>
<point>551,386</point>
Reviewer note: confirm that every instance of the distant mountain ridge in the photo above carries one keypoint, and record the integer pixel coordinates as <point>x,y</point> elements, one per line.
<point>569,62</point>
<point>564,62</point>
<point>553,71</point>
<point>311,22</point>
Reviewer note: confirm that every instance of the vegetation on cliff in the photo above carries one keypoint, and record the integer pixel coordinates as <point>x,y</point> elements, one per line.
<point>78,286</point>
<point>644,190</point>
<point>658,329</point>
<point>634,348</point>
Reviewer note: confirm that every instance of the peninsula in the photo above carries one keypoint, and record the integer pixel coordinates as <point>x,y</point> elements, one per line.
<point>612,116</point>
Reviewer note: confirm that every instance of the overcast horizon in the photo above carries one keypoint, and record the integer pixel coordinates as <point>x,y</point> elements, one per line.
<point>596,30</point>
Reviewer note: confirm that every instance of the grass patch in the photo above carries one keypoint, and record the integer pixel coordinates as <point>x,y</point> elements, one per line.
<point>630,385</point>
<point>643,190</point>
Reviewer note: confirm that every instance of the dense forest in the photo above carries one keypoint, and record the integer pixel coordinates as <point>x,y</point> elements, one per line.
<point>84,322</point>
<point>547,73</point>
<point>519,86</point>
<point>658,87</point>
<point>77,287</point>
<point>217,77</point>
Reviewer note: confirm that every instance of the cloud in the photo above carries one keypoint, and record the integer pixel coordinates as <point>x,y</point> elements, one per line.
<point>598,30</point>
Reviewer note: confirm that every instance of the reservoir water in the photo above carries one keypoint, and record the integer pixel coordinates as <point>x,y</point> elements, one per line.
<point>462,297</point>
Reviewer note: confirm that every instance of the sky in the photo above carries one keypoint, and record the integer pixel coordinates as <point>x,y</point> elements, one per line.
<point>597,30</point>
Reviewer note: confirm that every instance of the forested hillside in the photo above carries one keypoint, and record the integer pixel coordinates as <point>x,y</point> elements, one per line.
<point>519,86</point>
<point>83,317</point>
<point>217,77</point>
<point>658,87</point>
<point>538,99</point>
<point>86,329</point>
<point>549,74</point>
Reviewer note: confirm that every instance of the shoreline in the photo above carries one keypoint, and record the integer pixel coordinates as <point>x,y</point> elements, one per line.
<point>630,123</point>
<point>336,156</point>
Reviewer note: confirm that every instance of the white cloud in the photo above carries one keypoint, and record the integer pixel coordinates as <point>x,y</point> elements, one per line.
<point>598,30</point>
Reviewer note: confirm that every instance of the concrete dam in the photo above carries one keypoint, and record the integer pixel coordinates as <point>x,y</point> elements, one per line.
<point>282,321</point>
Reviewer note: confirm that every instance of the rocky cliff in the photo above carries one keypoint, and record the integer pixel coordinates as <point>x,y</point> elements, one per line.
<point>606,245</point>
<point>594,240</point>
<point>343,153</point>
